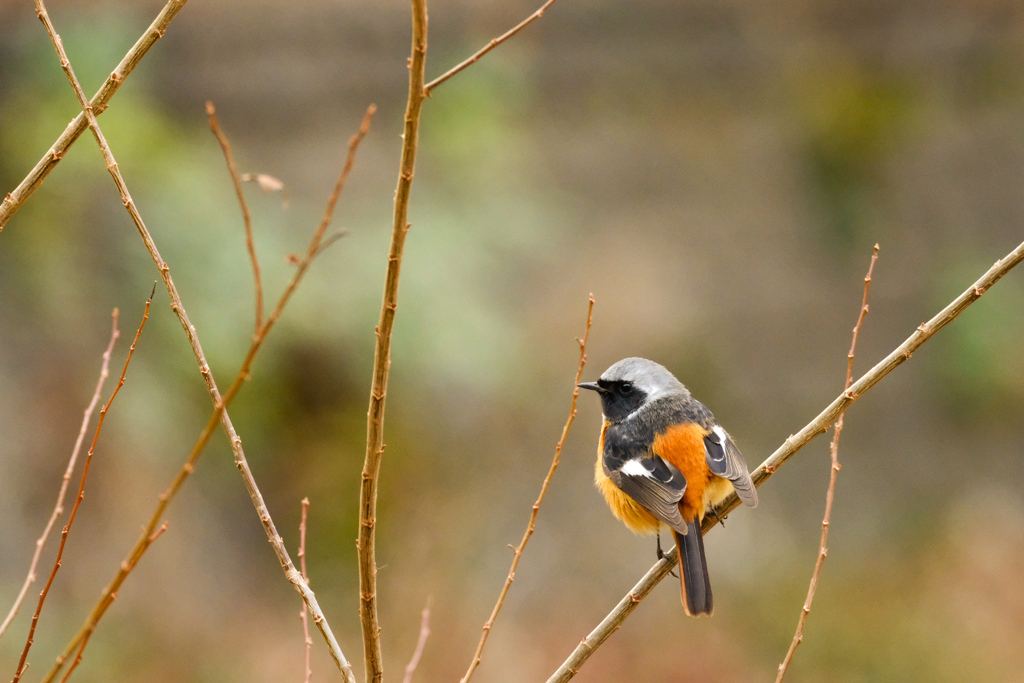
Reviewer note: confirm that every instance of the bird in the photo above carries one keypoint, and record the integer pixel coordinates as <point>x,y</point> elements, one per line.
<point>663,459</point>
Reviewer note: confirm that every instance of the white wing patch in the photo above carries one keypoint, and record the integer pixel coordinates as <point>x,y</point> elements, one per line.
<point>720,432</point>
<point>633,468</point>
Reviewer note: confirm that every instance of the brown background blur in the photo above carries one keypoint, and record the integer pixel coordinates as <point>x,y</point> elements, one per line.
<point>714,172</point>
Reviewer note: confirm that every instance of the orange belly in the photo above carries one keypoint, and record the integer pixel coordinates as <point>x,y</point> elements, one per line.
<point>636,518</point>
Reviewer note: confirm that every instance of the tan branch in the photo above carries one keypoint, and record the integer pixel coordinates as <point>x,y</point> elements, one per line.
<point>518,552</point>
<point>78,125</point>
<point>382,354</point>
<point>421,644</point>
<point>85,641</point>
<point>798,636</point>
<point>22,665</point>
<point>110,592</point>
<point>58,508</point>
<point>305,577</point>
<point>495,42</point>
<point>236,180</point>
<point>293,576</point>
<point>794,443</point>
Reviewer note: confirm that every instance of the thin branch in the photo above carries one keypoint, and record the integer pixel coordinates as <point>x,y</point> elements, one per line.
<point>536,506</point>
<point>421,643</point>
<point>798,636</point>
<point>331,239</point>
<point>332,201</point>
<point>58,508</point>
<point>794,443</point>
<point>305,577</point>
<point>276,541</point>
<point>495,42</point>
<point>860,318</point>
<point>382,355</point>
<point>81,495</point>
<point>236,179</point>
<point>85,641</point>
<point>99,101</point>
<point>109,593</point>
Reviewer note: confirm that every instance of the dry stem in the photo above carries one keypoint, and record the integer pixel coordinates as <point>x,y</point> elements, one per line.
<point>99,101</point>
<point>314,249</point>
<point>110,592</point>
<point>495,42</point>
<point>85,641</point>
<point>794,443</point>
<point>382,355</point>
<point>220,412</point>
<point>22,666</point>
<point>798,636</point>
<point>536,506</point>
<point>305,577</point>
<point>421,643</point>
<point>236,180</point>
<point>58,508</point>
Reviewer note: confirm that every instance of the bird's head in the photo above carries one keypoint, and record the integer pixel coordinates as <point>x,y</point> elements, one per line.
<point>630,384</point>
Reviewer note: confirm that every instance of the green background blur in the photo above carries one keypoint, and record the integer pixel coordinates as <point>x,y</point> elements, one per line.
<point>716,173</point>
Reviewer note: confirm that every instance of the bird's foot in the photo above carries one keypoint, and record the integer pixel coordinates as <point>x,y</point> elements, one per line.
<point>661,555</point>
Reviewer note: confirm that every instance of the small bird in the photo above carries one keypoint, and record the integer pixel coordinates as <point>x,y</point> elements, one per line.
<point>664,459</point>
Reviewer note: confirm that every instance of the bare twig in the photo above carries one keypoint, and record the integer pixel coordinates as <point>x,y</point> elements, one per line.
<point>85,641</point>
<point>421,643</point>
<point>794,443</point>
<point>798,636</point>
<point>236,180</point>
<point>145,540</point>
<point>332,201</point>
<point>305,577</point>
<point>495,42</point>
<point>99,101</point>
<point>81,495</point>
<point>58,508</point>
<point>220,412</point>
<point>517,553</point>
<point>382,355</point>
<point>110,592</point>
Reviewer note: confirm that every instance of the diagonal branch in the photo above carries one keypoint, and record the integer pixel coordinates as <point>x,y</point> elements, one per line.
<point>308,642</point>
<point>22,666</point>
<point>794,443</point>
<point>495,42</point>
<point>109,593</point>
<point>382,354</point>
<point>291,573</point>
<point>85,641</point>
<point>518,552</point>
<point>99,101</point>
<point>236,180</point>
<point>58,508</point>
<point>798,636</point>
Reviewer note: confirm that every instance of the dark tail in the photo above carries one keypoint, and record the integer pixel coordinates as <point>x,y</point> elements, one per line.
<point>693,571</point>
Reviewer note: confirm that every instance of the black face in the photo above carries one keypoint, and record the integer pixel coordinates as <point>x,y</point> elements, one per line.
<point>619,399</point>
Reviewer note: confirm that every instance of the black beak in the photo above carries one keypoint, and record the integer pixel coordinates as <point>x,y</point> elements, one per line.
<point>593,386</point>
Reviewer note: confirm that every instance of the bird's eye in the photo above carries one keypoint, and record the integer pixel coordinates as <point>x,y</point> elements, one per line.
<point>626,388</point>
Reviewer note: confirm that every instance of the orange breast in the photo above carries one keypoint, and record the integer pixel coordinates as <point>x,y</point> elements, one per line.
<point>683,446</point>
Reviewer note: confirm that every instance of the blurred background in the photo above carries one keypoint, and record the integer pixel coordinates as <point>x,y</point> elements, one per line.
<point>716,173</point>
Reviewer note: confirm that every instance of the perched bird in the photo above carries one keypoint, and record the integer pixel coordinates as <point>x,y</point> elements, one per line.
<point>664,459</point>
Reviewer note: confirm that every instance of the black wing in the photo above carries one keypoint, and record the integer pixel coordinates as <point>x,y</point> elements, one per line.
<point>725,460</point>
<point>655,484</point>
